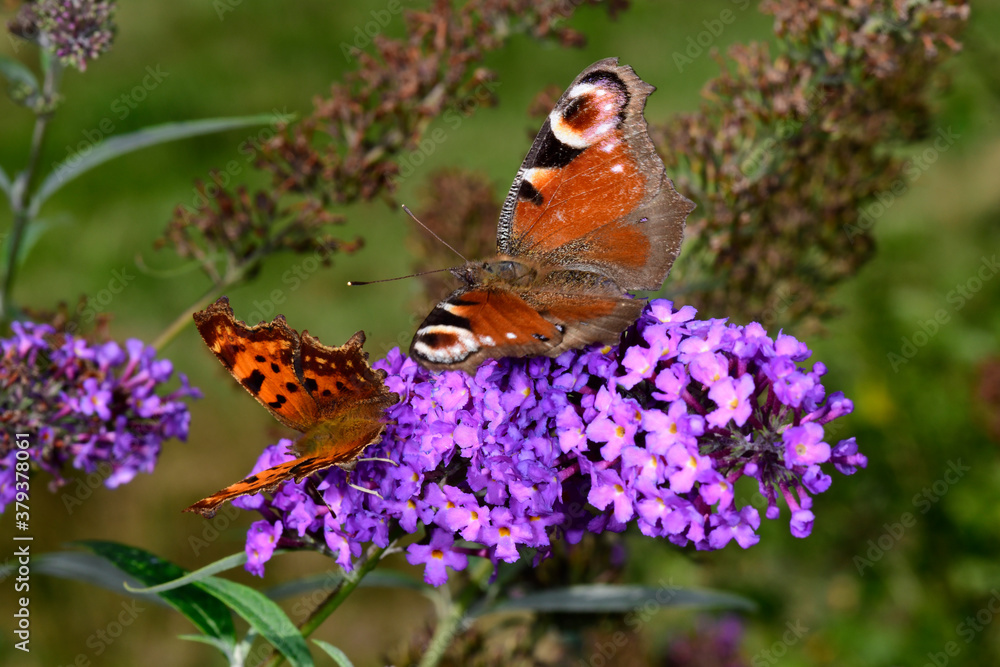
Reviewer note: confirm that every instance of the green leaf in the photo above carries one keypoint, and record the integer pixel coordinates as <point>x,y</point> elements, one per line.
<point>601,598</point>
<point>15,72</point>
<point>116,146</point>
<point>87,568</point>
<point>203,610</point>
<point>22,86</point>
<point>4,182</point>
<point>338,656</point>
<point>264,616</point>
<point>221,565</point>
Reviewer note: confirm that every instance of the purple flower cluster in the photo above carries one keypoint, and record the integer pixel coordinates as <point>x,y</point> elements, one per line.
<point>76,31</point>
<point>655,433</point>
<point>95,406</point>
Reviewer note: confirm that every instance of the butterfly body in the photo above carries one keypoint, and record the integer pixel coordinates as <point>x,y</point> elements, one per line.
<point>590,216</point>
<point>329,394</point>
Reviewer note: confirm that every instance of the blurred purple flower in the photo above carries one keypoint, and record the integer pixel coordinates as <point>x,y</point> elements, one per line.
<point>656,432</point>
<point>86,405</point>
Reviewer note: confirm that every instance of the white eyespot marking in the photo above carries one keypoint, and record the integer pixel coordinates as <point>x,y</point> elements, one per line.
<point>565,133</point>
<point>617,169</point>
<point>602,99</point>
<point>585,88</point>
<point>465,344</point>
<point>487,340</point>
<point>608,146</point>
<point>511,335</point>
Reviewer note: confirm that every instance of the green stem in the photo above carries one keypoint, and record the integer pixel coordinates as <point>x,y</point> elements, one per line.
<point>185,318</point>
<point>21,187</point>
<point>10,265</point>
<point>451,623</point>
<point>19,207</point>
<point>334,599</point>
<point>234,274</point>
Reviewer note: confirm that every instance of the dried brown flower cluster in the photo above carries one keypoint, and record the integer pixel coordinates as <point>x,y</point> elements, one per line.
<point>790,159</point>
<point>231,232</point>
<point>348,150</point>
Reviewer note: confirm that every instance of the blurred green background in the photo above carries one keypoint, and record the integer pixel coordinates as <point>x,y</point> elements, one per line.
<point>915,422</point>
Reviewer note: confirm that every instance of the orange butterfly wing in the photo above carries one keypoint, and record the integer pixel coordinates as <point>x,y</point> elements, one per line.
<point>330,394</point>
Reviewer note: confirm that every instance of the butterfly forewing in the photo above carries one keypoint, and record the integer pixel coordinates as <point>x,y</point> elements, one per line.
<point>262,358</point>
<point>592,192</point>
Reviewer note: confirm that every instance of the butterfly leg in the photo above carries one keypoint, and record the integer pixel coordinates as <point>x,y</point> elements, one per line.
<point>364,490</point>
<point>379,459</point>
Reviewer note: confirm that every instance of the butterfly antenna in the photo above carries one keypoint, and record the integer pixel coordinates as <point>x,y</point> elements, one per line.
<point>356,283</point>
<point>431,232</point>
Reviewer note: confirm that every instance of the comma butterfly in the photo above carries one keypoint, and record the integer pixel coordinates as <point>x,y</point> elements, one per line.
<point>590,216</point>
<point>330,394</point>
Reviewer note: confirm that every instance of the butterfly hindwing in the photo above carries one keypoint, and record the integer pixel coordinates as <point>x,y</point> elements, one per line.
<point>472,325</point>
<point>584,317</point>
<point>297,469</point>
<point>337,377</point>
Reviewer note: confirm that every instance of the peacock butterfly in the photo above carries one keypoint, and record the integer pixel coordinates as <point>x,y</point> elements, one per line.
<point>591,215</point>
<point>330,394</point>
